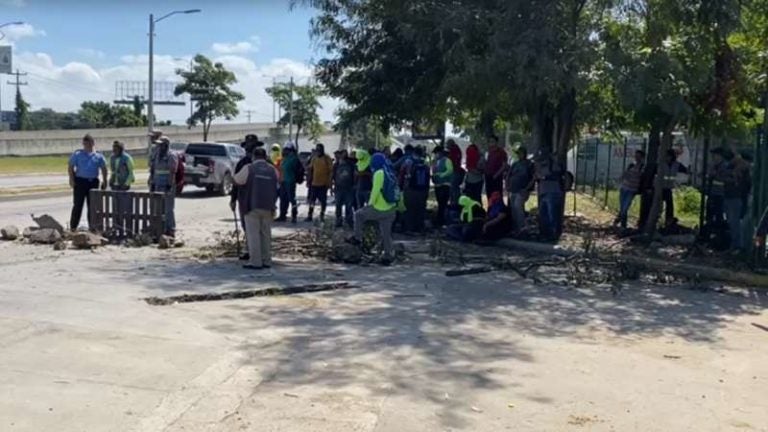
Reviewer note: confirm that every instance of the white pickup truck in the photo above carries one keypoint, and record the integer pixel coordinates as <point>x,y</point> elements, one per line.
<point>211,165</point>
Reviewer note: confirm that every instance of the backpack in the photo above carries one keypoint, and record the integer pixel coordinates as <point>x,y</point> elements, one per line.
<point>418,178</point>
<point>390,191</point>
<point>345,175</point>
<point>301,173</point>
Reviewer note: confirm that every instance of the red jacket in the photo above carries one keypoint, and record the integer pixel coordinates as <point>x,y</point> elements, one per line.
<point>473,157</point>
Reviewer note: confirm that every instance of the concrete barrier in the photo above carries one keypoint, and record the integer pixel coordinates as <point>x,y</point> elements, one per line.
<point>58,142</point>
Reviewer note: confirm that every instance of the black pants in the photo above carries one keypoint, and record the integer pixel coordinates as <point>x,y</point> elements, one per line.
<point>415,209</point>
<point>669,206</point>
<point>288,198</point>
<point>80,197</point>
<point>474,190</point>
<point>318,193</point>
<point>442,195</point>
<point>493,185</point>
<point>345,199</point>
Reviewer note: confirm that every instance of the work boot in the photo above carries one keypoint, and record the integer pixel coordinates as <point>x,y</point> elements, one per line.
<point>282,218</point>
<point>309,215</point>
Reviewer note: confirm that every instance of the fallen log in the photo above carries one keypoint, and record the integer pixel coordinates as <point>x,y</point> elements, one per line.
<point>469,271</point>
<point>236,295</point>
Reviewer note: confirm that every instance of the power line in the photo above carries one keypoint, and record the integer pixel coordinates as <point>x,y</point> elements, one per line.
<point>70,85</point>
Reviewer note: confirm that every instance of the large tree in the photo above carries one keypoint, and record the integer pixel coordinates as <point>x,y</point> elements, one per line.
<point>671,66</point>
<point>210,86</point>
<point>103,115</point>
<point>303,112</point>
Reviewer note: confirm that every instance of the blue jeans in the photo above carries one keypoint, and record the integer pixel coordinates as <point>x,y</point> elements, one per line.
<point>625,202</point>
<point>551,215</point>
<point>733,217</point>
<point>344,202</point>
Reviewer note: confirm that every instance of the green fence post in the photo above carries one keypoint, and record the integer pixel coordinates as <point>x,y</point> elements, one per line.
<point>594,172</point>
<point>608,174</point>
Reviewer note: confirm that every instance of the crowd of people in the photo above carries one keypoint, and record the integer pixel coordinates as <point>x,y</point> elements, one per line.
<point>479,196</point>
<point>727,189</point>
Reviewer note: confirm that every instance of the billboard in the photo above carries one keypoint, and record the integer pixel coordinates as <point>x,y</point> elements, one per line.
<point>6,65</point>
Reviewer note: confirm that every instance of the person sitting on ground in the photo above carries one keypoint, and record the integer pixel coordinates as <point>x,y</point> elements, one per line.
<point>498,223</point>
<point>259,182</point>
<point>471,221</point>
<point>381,206</point>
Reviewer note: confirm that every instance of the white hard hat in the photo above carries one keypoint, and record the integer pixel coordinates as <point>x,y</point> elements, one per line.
<point>288,146</point>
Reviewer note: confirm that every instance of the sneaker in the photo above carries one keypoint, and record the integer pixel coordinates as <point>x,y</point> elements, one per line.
<point>252,267</point>
<point>245,257</point>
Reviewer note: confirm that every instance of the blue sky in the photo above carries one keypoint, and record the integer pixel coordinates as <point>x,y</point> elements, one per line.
<point>75,50</point>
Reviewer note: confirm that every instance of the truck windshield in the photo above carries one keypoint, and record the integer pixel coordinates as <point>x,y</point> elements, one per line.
<point>206,150</point>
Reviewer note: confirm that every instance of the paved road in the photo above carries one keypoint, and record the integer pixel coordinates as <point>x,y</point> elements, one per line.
<point>25,181</point>
<point>405,349</point>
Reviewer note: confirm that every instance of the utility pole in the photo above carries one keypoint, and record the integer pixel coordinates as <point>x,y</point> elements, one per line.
<point>274,120</point>
<point>18,85</point>
<point>248,113</point>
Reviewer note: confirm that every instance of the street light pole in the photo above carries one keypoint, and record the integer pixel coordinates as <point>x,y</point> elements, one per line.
<point>151,84</point>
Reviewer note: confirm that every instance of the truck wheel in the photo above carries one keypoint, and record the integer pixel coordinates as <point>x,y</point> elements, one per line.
<point>226,185</point>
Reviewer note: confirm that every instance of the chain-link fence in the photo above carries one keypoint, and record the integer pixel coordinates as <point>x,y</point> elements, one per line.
<point>600,162</point>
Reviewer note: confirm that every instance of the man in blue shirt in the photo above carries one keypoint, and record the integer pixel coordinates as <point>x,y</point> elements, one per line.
<point>84,168</point>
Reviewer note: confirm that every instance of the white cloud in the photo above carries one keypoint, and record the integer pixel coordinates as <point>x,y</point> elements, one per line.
<point>92,53</point>
<point>233,48</point>
<point>14,33</point>
<point>64,87</point>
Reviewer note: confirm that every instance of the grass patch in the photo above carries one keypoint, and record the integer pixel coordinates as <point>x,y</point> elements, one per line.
<point>47,164</point>
<point>687,203</point>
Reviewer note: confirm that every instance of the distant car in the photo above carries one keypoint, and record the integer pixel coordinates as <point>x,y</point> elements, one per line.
<point>211,165</point>
<point>179,147</point>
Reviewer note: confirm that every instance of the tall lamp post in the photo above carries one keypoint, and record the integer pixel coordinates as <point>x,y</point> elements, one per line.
<point>151,99</point>
<point>2,36</point>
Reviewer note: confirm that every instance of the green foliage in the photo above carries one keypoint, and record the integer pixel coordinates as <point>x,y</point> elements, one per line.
<point>209,85</point>
<point>22,112</point>
<point>305,107</point>
<point>103,115</point>
<point>360,132</point>
<point>687,201</point>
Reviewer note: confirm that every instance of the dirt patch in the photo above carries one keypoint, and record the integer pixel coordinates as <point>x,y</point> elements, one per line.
<point>237,295</point>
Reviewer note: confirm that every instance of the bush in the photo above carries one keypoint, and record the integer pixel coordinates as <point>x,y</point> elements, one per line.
<point>687,201</point>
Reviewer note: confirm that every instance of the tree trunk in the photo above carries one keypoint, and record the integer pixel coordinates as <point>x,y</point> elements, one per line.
<point>542,125</point>
<point>206,128</point>
<point>658,184</point>
<point>298,132</point>
<point>566,114</point>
